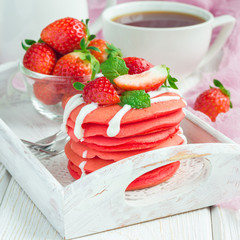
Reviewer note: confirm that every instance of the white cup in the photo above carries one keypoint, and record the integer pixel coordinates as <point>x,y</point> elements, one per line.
<point>25,19</point>
<point>183,49</point>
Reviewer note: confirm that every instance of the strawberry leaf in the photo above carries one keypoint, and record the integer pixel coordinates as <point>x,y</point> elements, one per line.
<point>83,44</point>
<point>114,67</point>
<point>28,44</point>
<point>78,86</point>
<point>217,83</point>
<point>91,37</point>
<point>170,80</point>
<point>226,92</point>
<point>94,48</point>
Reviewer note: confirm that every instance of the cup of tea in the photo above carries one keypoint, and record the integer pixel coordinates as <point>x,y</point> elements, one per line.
<point>175,34</point>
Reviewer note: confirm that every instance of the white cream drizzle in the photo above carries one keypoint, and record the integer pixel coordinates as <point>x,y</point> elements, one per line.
<point>114,123</point>
<point>164,99</point>
<point>162,90</point>
<point>78,130</point>
<point>181,135</point>
<point>81,166</point>
<point>72,103</point>
<point>84,154</point>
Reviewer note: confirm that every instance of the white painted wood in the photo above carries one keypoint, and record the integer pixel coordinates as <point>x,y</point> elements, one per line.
<point>41,185</point>
<point>225,223</point>
<point>102,193</point>
<point>21,219</point>
<point>4,181</point>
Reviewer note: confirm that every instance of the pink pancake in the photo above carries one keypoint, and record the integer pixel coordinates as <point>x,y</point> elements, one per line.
<point>149,179</point>
<point>127,146</point>
<point>146,138</point>
<point>92,164</point>
<point>103,114</point>
<point>154,177</point>
<point>132,129</point>
<point>79,149</point>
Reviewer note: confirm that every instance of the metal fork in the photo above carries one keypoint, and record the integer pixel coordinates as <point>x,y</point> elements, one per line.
<point>49,151</point>
<point>45,142</point>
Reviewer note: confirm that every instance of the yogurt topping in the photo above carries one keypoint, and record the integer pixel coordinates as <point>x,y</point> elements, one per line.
<point>81,166</point>
<point>114,123</point>
<point>72,103</point>
<point>78,130</point>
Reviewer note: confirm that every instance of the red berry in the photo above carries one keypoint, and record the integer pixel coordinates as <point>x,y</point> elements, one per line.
<point>44,93</point>
<point>40,58</point>
<point>213,101</point>
<point>100,91</point>
<point>64,35</point>
<point>71,64</point>
<point>101,45</point>
<point>137,65</point>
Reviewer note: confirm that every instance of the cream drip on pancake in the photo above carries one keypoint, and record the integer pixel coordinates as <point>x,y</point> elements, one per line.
<point>78,130</point>
<point>81,166</point>
<point>72,103</point>
<point>115,122</point>
<point>84,154</point>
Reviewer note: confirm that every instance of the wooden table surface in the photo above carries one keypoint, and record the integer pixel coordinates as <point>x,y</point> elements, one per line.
<point>21,219</point>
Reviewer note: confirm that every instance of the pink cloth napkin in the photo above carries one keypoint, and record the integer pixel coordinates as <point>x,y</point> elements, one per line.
<point>228,72</point>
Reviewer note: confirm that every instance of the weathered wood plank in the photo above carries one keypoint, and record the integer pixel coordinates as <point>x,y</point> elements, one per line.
<point>20,219</point>
<point>225,223</point>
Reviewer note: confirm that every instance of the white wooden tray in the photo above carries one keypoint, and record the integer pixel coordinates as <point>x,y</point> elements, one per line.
<point>209,174</point>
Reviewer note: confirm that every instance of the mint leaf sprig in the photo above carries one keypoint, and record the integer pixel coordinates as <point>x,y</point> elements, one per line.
<point>170,81</point>
<point>136,99</point>
<point>114,67</point>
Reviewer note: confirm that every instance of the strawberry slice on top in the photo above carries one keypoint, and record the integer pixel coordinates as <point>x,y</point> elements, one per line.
<point>148,80</point>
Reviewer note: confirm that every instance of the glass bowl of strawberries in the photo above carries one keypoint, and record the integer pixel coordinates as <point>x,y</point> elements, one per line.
<point>49,92</point>
<point>64,54</point>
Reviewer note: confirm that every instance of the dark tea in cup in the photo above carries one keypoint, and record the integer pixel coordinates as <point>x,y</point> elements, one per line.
<point>158,19</point>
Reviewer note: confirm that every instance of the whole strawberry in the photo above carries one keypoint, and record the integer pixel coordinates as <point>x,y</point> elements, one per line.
<point>100,91</point>
<point>77,66</point>
<point>213,101</point>
<point>72,64</point>
<point>39,57</point>
<point>137,65</point>
<point>64,35</point>
<point>104,49</point>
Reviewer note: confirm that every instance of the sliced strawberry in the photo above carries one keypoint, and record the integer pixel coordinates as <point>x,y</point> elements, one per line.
<point>64,35</point>
<point>137,65</point>
<point>148,80</point>
<point>100,91</point>
<point>40,58</point>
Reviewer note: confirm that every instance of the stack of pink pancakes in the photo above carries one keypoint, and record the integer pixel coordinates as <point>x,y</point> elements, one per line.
<point>134,131</point>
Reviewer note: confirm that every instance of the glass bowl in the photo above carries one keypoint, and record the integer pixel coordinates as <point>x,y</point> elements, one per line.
<point>48,92</point>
